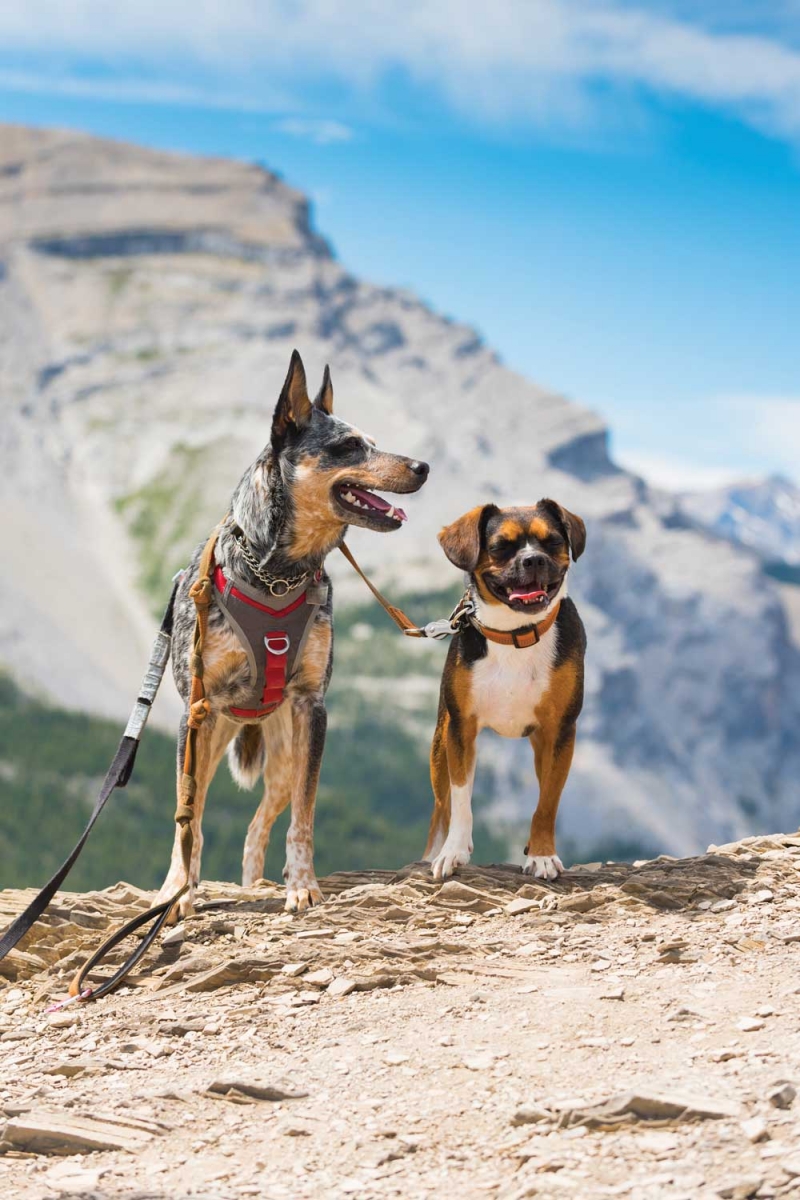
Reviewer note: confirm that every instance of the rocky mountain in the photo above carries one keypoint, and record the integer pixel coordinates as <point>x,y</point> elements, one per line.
<point>148,306</point>
<point>762,514</point>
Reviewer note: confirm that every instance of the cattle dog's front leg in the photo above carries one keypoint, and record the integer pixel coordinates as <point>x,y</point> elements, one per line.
<point>461,757</point>
<point>212,738</point>
<point>309,723</point>
<point>277,734</point>
<point>553,757</point>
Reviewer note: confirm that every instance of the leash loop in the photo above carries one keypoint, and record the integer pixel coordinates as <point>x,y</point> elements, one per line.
<point>157,914</point>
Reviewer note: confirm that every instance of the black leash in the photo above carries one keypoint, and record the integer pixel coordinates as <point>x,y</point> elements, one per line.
<point>118,775</point>
<point>159,914</point>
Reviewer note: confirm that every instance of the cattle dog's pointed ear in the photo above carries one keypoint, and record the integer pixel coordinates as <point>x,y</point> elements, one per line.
<point>324,398</point>
<point>463,540</point>
<point>573,526</point>
<point>293,410</point>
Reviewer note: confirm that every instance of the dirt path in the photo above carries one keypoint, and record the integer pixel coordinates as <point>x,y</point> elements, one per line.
<point>427,1040</point>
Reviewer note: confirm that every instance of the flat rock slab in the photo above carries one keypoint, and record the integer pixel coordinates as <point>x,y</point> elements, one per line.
<point>632,1107</point>
<point>46,1132</point>
<point>254,1090</point>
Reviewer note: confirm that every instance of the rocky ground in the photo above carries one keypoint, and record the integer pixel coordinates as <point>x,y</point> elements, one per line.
<point>631,1030</point>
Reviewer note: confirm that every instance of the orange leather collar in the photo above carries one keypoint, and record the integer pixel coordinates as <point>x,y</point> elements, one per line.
<point>528,635</point>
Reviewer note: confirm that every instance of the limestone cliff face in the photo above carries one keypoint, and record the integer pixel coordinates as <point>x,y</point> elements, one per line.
<point>148,306</point>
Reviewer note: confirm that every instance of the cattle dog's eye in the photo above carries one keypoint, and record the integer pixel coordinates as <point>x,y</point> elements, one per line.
<point>502,549</point>
<point>553,543</point>
<point>351,445</point>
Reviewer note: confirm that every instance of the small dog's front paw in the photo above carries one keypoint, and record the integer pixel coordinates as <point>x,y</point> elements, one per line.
<point>448,858</point>
<point>543,866</point>
<point>298,899</point>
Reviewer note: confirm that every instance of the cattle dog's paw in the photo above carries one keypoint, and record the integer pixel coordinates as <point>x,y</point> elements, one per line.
<point>543,866</point>
<point>186,904</point>
<point>448,858</point>
<point>298,899</point>
<point>184,907</point>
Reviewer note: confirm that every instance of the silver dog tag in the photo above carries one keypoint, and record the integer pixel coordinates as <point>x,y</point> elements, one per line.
<point>317,593</point>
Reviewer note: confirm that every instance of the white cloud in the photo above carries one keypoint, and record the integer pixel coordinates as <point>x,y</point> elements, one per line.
<point>769,426</point>
<point>319,131</point>
<point>137,90</point>
<point>517,60</point>
<point>727,438</point>
<point>675,474</point>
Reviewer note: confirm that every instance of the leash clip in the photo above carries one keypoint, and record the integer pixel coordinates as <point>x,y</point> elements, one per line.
<point>438,629</point>
<point>448,626</point>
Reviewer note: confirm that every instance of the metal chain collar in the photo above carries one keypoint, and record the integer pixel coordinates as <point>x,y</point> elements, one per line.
<point>276,585</point>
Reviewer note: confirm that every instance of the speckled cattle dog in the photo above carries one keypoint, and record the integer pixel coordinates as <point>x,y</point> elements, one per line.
<point>516,668</point>
<point>267,690</point>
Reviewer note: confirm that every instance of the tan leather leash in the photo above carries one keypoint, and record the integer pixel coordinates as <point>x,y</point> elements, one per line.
<point>462,614</point>
<point>398,616</point>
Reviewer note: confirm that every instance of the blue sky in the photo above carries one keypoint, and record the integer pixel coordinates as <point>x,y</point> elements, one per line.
<point>609,191</point>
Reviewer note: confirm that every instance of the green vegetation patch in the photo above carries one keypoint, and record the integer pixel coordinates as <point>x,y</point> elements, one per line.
<point>163,516</point>
<point>372,812</point>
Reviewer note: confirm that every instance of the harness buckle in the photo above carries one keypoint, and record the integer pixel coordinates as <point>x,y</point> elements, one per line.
<point>277,643</point>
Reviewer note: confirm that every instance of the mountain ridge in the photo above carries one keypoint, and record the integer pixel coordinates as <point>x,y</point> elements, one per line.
<point>142,343</point>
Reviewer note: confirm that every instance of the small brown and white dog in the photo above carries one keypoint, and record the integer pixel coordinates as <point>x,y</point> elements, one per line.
<point>516,668</point>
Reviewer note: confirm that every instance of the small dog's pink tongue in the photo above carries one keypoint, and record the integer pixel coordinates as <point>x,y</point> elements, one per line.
<point>527,597</point>
<point>378,502</point>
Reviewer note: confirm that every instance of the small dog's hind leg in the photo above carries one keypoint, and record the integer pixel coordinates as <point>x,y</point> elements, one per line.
<point>461,759</point>
<point>309,723</point>
<point>212,738</point>
<point>440,783</point>
<point>277,732</point>
<point>553,757</point>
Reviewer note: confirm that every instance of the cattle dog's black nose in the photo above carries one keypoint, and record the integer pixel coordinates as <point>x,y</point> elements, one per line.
<point>419,468</point>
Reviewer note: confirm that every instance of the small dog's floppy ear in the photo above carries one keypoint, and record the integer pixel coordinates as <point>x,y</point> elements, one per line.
<point>324,398</point>
<point>293,410</point>
<point>462,540</point>
<point>573,526</point>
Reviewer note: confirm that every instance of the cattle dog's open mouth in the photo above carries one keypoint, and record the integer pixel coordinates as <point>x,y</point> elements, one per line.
<point>524,598</point>
<point>366,508</point>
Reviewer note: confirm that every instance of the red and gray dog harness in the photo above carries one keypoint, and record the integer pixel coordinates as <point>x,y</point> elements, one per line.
<point>272,635</point>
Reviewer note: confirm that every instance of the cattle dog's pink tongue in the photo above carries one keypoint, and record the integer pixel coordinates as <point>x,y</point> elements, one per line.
<point>528,597</point>
<point>378,502</point>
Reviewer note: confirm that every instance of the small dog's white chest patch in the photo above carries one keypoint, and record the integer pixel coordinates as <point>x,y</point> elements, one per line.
<point>508,684</point>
